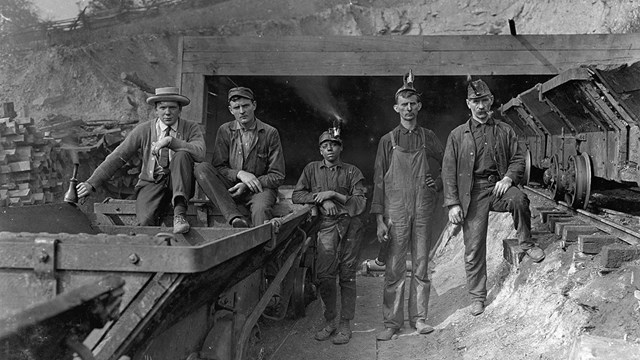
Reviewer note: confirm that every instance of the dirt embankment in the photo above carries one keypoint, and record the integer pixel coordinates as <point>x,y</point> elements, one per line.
<point>77,74</point>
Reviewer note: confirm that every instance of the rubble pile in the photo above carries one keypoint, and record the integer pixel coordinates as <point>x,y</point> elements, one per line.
<point>36,161</point>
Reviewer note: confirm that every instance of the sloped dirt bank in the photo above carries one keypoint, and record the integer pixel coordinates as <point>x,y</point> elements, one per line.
<point>534,312</point>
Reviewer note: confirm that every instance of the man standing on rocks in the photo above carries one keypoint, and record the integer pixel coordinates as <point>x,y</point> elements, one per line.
<point>404,199</point>
<point>483,162</point>
<point>248,163</point>
<point>338,190</point>
<point>169,146</point>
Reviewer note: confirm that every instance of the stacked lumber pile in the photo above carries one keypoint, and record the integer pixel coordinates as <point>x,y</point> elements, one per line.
<point>36,162</point>
<point>29,164</point>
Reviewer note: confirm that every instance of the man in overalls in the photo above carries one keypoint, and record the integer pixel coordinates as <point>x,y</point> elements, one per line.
<point>483,164</point>
<point>404,198</point>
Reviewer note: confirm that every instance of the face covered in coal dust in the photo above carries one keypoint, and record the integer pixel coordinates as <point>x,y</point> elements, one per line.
<point>243,110</point>
<point>480,107</point>
<point>408,107</point>
<point>330,151</point>
<point>168,112</point>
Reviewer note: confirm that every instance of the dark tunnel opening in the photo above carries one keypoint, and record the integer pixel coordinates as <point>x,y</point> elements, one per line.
<point>302,107</point>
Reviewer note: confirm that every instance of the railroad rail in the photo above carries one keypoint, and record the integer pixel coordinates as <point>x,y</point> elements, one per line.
<point>611,233</point>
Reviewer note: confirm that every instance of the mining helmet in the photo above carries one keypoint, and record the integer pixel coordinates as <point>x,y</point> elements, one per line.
<point>408,85</point>
<point>477,89</point>
<point>328,136</point>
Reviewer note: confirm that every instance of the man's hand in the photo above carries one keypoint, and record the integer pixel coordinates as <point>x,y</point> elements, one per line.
<point>238,189</point>
<point>382,230</point>
<point>250,180</point>
<point>330,208</point>
<point>156,146</point>
<point>430,182</point>
<point>84,189</point>
<point>455,214</point>
<point>502,186</point>
<point>323,195</point>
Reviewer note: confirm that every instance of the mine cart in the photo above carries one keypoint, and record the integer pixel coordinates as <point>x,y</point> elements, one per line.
<point>197,295</point>
<point>579,125</point>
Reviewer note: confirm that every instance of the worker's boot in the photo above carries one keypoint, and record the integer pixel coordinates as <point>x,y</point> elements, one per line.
<point>326,332</point>
<point>344,333</point>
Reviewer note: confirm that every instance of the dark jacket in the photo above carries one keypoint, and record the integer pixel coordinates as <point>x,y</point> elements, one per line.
<point>460,156</point>
<point>189,138</point>
<point>265,159</point>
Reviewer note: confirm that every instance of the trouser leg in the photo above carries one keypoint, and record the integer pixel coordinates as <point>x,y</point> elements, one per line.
<point>517,203</point>
<point>182,181</point>
<point>150,198</point>
<point>475,243</point>
<point>327,267</point>
<point>348,253</point>
<point>261,206</point>
<point>216,187</point>
<point>394,275</point>
<point>420,286</point>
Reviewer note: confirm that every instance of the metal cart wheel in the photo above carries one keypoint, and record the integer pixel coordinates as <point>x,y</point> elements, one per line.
<point>579,173</point>
<point>527,168</point>
<point>301,288</point>
<point>555,185</point>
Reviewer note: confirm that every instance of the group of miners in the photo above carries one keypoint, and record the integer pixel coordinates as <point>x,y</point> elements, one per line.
<point>481,166</point>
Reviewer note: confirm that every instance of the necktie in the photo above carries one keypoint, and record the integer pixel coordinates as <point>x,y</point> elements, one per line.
<point>163,159</point>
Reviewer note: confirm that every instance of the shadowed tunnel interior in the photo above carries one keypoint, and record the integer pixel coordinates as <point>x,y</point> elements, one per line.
<point>302,107</point>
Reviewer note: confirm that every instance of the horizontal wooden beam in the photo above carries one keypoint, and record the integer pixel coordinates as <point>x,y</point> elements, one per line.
<point>392,55</point>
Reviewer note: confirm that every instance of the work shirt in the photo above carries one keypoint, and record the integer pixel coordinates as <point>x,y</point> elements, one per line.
<point>342,178</point>
<point>483,135</point>
<point>264,157</point>
<point>409,140</point>
<point>247,137</point>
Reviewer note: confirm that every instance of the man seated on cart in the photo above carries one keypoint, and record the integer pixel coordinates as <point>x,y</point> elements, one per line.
<point>170,145</point>
<point>338,190</point>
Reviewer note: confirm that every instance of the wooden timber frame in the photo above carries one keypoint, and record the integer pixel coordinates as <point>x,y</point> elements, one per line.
<point>202,56</point>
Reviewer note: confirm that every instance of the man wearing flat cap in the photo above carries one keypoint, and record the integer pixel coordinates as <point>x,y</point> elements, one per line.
<point>482,166</point>
<point>337,189</point>
<point>169,146</point>
<point>247,166</point>
<point>404,201</point>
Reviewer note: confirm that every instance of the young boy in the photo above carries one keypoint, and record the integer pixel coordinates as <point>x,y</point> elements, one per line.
<point>338,190</point>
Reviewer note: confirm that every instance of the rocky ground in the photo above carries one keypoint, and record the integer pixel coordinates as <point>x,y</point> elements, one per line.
<point>536,311</point>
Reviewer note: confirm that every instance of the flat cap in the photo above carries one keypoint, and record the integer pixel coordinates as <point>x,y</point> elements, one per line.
<point>477,89</point>
<point>240,91</point>
<point>327,136</point>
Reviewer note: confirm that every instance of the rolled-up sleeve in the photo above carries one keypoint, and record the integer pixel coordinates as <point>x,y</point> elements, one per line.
<point>380,168</point>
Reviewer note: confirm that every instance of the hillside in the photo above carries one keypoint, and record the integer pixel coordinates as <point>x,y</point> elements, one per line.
<point>77,74</point>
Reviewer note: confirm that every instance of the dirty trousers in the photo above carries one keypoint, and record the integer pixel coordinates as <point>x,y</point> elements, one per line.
<point>475,231</point>
<point>408,233</point>
<point>216,187</point>
<point>152,197</point>
<point>338,248</point>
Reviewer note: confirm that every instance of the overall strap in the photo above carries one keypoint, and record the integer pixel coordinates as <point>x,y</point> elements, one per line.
<point>393,140</point>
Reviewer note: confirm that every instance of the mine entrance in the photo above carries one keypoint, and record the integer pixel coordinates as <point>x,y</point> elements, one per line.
<point>302,107</point>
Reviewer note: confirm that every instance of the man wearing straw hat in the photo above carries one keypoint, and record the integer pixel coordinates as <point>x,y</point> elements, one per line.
<point>169,146</point>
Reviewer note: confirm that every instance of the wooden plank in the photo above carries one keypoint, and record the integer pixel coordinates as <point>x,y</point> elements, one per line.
<point>600,348</point>
<point>193,86</point>
<point>465,43</point>
<point>592,244</point>
<point>383,63</point>
<point>613,256</point>
<point>303,44</point>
